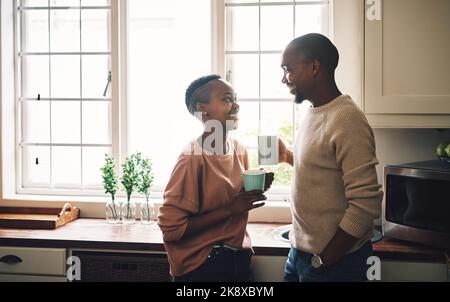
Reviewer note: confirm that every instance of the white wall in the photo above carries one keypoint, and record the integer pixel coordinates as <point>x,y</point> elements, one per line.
<point>396,146</point>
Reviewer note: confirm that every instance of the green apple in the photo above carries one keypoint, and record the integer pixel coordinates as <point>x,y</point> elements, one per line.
<point>447,150</point>
<point>440,150</point>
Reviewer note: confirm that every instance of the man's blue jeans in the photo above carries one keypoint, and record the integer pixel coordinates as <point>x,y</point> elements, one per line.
<point>352,268</point>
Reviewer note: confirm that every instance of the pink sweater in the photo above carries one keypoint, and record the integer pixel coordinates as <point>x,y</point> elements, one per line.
<point>199,184</point>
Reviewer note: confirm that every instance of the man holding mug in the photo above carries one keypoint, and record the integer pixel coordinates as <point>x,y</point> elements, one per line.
<point>335,192</point>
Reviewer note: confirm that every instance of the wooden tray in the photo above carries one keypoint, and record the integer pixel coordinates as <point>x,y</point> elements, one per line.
<point>37,218</point>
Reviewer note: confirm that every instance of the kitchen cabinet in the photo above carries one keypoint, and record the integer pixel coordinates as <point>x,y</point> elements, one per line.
<point>32,264</point>
<point>269,268</point>
<point>407,65</point>
<point>122,266</point>
<point>400,271</point>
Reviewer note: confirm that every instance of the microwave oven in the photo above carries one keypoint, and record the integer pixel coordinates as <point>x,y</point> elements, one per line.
<point>416,205</point>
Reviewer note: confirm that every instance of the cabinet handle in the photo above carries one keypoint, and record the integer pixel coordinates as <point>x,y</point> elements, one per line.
<point>11,259</point>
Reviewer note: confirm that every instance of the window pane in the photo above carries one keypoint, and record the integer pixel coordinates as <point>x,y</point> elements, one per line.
<point>283,176</point>
<point>277,27</point>
<point>95,76</point>
<point>65,76</point>
<point>271,75</point>
<point>66,167</point>
<point>242,28</point>
<point>247,132</point>
<point>66,122</point>
<point>36,167</point>
<point>96,123</point>
<point>311,19</point>
<point>94,30</point>
<point>241,1</point>
<point>159,124</point>
<point>244,70</point>
<point>283,173</point>
<point>277,118</point>
<point>95,2</point>
<point>93,160</point>
<point>35,31</point>
<point>253,158</point>
<point>300,112</point>
<point>34,3</point>
<point>35,77</point>
<point>36,122</point>
<point>65,30</point>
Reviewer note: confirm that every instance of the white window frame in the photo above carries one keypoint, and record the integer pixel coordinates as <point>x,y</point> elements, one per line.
<point>9,193</point>
<point>19,126</point>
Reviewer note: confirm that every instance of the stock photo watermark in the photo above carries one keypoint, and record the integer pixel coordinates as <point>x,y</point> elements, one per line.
<point>73,269</point>
<point>374,271</point>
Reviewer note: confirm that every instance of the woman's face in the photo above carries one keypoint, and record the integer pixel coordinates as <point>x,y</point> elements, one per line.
<point>222,104</point>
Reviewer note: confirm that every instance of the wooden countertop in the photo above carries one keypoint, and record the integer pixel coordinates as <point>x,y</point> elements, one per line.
<point>97,234</point>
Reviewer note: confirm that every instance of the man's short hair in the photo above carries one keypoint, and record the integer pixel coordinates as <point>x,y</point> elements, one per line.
<point>193,96</point>
<point>319,47</point>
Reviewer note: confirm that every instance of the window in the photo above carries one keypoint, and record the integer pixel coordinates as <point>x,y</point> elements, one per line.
<point>256,34</point>
<point>79,97</point>
<point>167,50</point>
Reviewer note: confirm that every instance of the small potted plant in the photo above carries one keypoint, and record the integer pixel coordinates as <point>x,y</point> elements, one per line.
<point>130,182</point>
<point>110,184</point>
<point>148,208</point>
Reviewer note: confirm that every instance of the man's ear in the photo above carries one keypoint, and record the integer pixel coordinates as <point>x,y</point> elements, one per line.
<point>316,65</point>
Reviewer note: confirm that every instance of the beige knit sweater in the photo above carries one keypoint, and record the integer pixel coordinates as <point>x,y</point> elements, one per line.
<point>335,183</point>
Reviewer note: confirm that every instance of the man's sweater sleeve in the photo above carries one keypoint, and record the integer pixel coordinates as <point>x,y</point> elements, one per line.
<point>354,144</point>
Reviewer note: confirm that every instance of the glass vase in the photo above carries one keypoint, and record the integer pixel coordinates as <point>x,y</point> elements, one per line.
<point>149,213</point>
<point>128,211</point>
<point>112,212</point>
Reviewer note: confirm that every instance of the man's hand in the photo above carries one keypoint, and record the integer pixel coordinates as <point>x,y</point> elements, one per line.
<point>285,155</point>
<point>245,201</point>
<point>336,249</point>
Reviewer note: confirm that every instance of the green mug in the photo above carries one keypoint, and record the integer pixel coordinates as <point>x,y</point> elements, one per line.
<point>254,180</point>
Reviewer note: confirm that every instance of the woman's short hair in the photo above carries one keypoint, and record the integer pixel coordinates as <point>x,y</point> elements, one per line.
<point>193,92</point>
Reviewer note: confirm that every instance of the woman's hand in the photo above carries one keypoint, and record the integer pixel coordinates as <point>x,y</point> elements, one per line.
<point>285,155</point>
<point>269,180</point>
<point>245,201</point>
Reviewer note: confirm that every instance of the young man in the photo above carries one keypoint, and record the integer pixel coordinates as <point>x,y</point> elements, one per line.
<point>335,192</point>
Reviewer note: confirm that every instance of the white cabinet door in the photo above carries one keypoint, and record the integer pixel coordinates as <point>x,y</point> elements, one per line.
<point>32,261</point>
<point>407,61</point>
<point>29,278</point>
<point>268,268</point>
<point>413,272</point>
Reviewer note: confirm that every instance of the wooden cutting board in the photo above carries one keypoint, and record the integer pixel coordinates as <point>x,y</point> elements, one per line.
<point>37,218</point>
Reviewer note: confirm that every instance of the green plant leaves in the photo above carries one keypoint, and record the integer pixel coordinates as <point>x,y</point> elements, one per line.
<point>137,175</point>
<point>110,180</point>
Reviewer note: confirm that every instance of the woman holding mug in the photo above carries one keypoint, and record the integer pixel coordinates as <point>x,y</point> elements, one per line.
<point>205,211</point>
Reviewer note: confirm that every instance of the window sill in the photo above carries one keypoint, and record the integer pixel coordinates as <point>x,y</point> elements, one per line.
<point>94,207</point>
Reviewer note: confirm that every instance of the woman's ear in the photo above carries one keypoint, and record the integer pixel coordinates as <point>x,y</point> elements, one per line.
<point>200,107</point>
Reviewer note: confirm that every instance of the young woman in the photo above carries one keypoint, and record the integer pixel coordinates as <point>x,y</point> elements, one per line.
<point>205,211</point>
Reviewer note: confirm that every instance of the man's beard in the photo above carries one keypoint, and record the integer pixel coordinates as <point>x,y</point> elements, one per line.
<point>299,97</point>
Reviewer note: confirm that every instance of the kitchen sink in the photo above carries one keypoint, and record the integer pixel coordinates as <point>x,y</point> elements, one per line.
<point>282,233</point>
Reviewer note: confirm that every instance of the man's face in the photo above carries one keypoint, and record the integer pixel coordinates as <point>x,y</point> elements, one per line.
<point>297,74</point>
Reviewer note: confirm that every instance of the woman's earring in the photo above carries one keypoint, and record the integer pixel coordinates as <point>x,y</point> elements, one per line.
<point>204,112</point>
